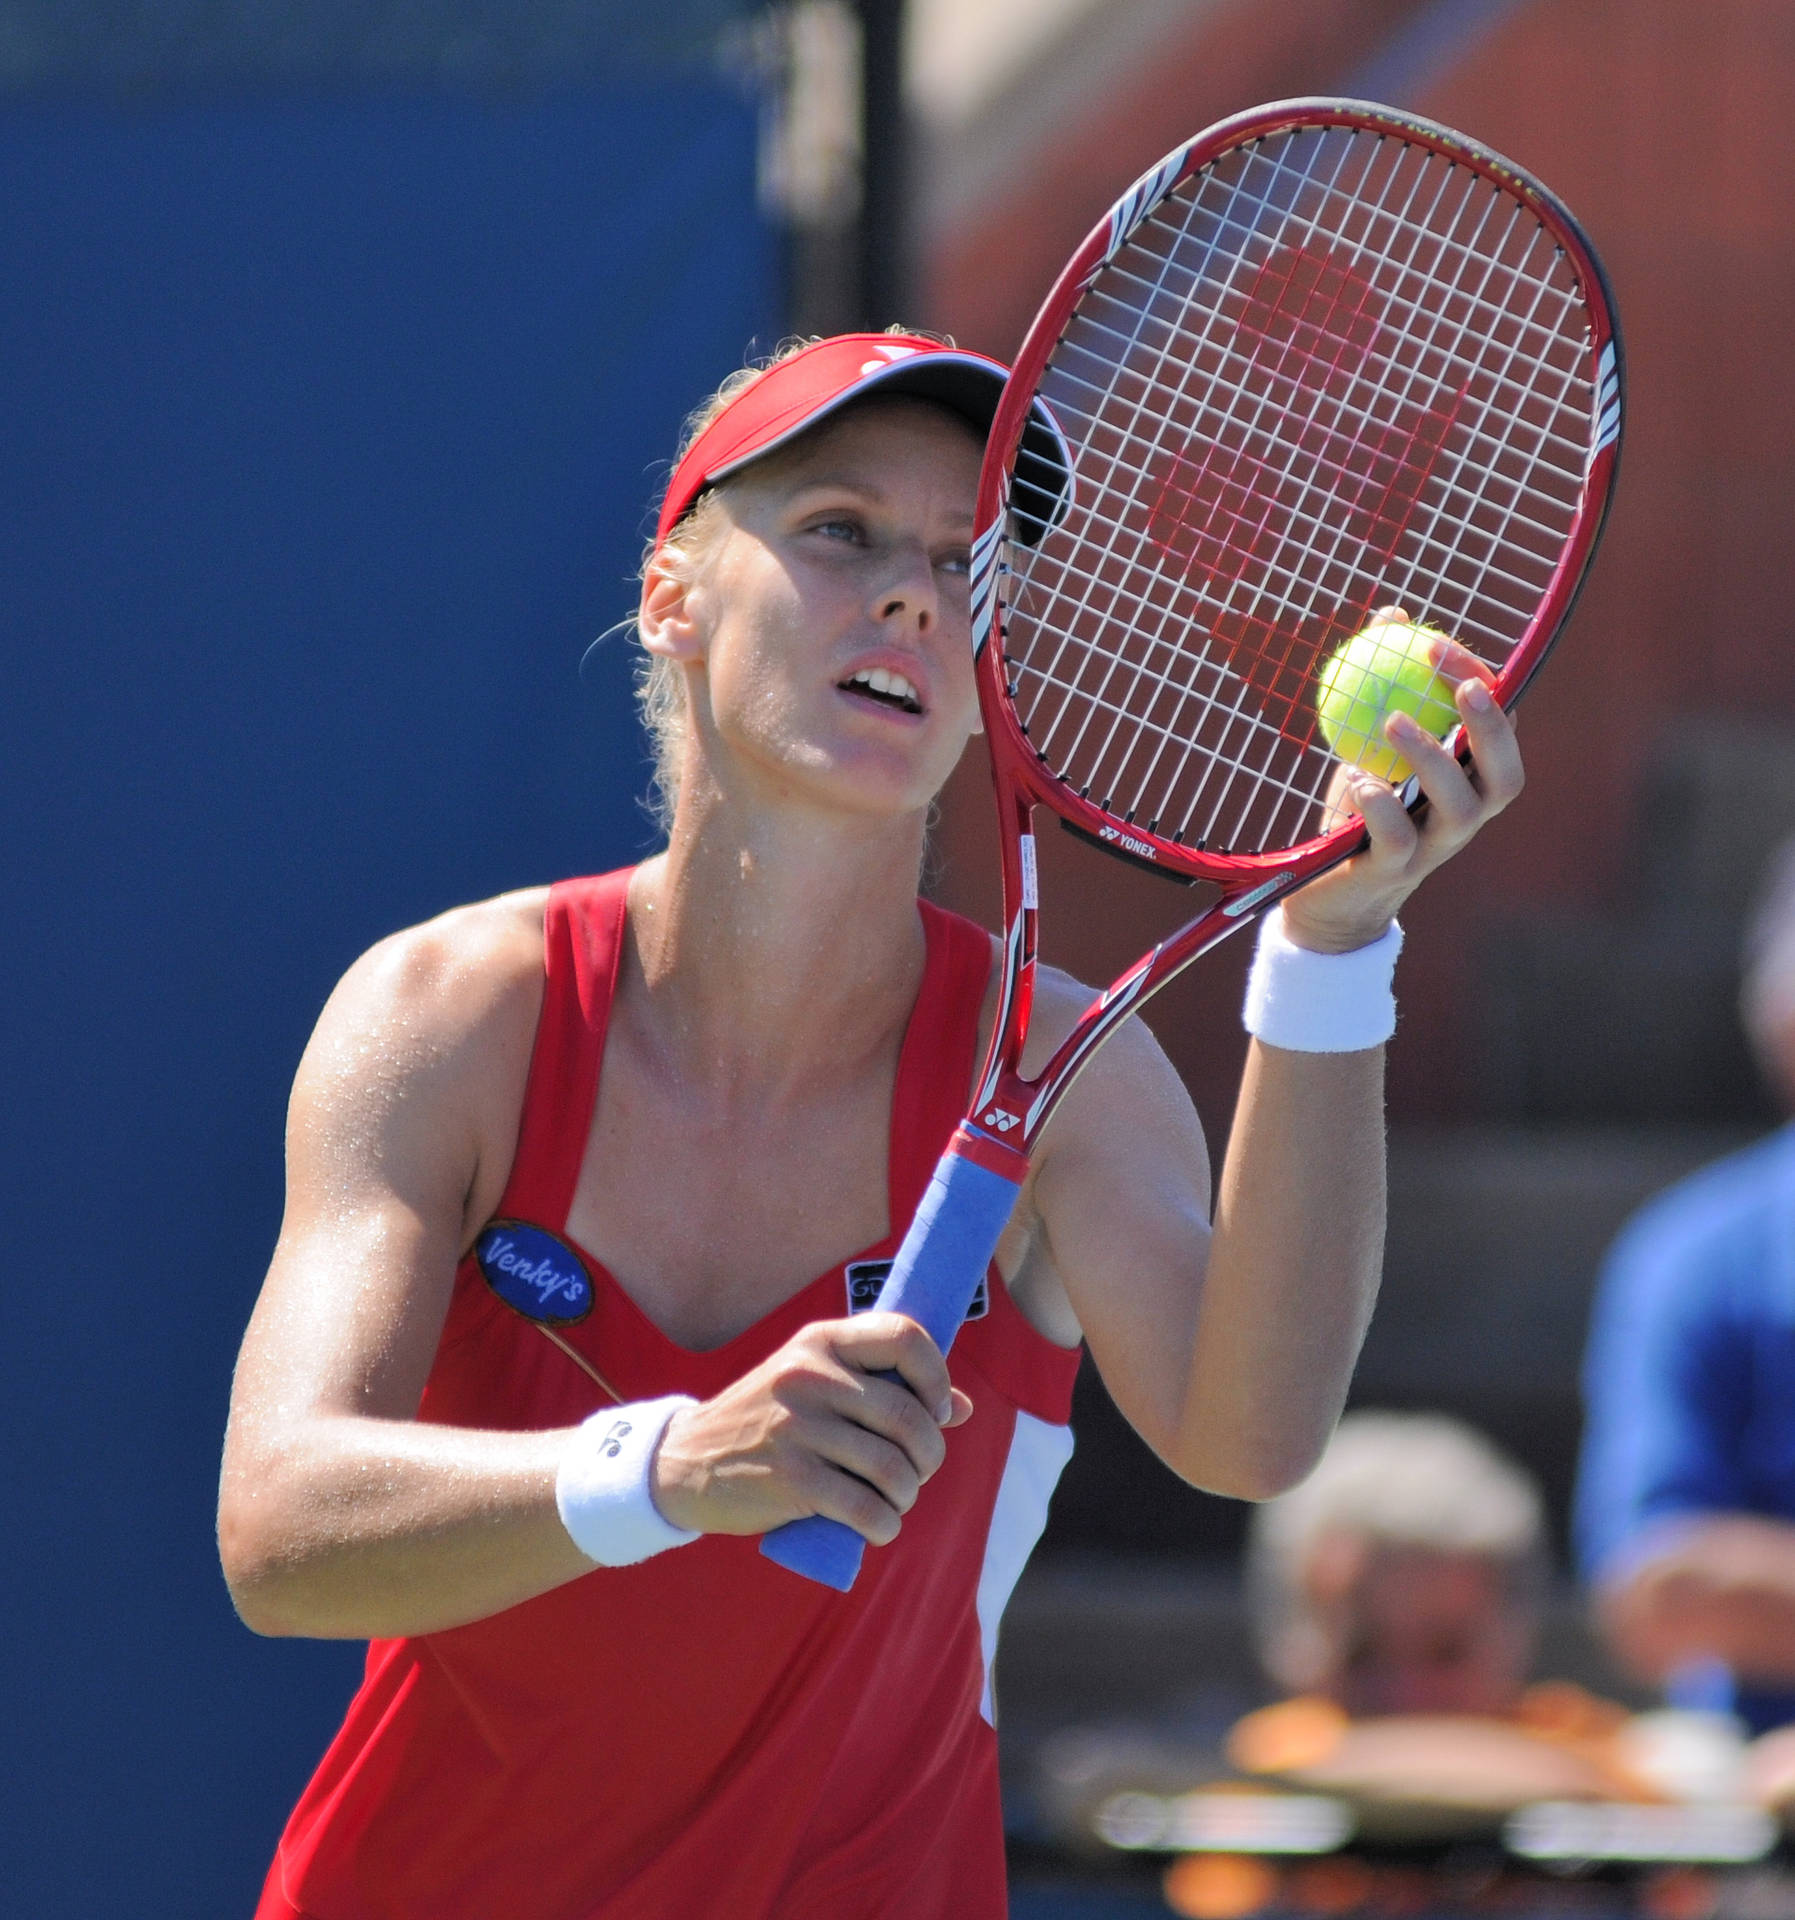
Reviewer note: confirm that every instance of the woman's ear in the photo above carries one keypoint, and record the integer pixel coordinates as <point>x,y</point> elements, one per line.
<point>667,620</point>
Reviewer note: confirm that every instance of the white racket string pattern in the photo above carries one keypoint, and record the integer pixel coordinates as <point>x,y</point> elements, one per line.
<point>1386,396</point>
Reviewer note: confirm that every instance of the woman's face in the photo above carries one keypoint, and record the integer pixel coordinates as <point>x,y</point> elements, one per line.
<point>1414,1629</point>
<point>830,626</point>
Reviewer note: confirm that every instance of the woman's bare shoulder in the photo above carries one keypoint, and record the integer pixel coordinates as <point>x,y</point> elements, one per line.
<point>430,1031</point>
<point>460,963</point>
<point>472,971</point>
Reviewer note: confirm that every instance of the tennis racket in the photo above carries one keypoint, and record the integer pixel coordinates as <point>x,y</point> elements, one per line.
<point>1324,359</point>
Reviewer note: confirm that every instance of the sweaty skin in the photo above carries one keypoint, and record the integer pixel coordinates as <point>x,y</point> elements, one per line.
<point>739,1143</point>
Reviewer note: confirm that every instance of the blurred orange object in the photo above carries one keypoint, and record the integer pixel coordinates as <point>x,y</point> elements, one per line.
<point>1562,1710</point>
<point>1219,1886</point>
<point>1421,1776</point>
<point>1418,1777</point>
<point>1303,1732</point>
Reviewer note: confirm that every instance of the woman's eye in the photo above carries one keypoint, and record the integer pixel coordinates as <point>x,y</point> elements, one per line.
<point>960,563</point>
<point>840,527</point>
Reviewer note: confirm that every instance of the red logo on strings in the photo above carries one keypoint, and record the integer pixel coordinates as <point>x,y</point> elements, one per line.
<point>1312,327</point>
<point>1317,318</point>
<point>1214,509</point>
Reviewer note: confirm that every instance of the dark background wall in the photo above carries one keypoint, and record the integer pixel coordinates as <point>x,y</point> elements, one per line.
<point>329,421</point>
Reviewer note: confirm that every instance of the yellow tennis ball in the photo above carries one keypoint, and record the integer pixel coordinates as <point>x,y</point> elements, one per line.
<point>1382,670</point>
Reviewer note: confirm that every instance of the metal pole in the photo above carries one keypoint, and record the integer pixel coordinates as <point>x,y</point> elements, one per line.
<point>882,242</point>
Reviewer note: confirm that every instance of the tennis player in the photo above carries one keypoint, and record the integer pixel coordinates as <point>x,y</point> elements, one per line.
<point>679,1118</point>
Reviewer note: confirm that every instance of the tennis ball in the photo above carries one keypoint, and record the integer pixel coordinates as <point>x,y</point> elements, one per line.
<point>1382,670</point>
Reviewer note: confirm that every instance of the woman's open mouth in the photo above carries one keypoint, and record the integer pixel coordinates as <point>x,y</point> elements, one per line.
<point>889,689</point>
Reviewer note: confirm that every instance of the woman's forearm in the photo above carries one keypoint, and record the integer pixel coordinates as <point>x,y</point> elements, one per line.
<point>350,1527</point>
<point>1293,1268</point>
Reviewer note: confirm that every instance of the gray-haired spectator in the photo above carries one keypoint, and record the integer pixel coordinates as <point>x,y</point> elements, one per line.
<point>1405,1575</point>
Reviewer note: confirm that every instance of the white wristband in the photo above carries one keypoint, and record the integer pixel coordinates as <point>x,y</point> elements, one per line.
<point>601,1486</point>
<point>1320,1002</point>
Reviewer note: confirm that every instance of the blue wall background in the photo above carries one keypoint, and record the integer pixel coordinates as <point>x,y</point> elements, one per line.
<point>329,432</point>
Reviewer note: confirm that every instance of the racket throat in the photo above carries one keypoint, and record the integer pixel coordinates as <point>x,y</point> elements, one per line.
<point>998,1136</point>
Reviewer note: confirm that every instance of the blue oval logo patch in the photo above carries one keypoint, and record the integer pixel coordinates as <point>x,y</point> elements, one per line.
<point>534,1272</point>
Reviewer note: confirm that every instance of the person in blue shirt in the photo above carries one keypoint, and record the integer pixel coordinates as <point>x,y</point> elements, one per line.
<point>1685,1512</point>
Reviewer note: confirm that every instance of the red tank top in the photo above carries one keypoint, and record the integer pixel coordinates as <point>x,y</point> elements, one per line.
<point>705,1733</point>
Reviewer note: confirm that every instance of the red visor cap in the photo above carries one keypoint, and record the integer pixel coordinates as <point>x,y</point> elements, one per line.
<point>816,381</point>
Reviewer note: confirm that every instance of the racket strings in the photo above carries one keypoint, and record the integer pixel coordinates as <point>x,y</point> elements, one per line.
<point>1488,311</point>
<point>1345,331</point>
<point>1340,449</point>
<point>1307,443</point>
<point>1473,254</point>
<point>1341,331</point>
<point>1311,382</point>
<point>1163,417</point>
<point>1381,511</point>
<point>1320,525</point>
<point>1501,537</point>
<point>1237,363</point>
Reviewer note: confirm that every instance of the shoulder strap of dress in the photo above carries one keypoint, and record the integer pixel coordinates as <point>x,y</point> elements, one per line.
<point>582,946</point>
<point>936,1065</point>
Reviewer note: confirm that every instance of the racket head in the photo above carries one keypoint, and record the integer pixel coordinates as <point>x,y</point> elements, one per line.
<point>1326,358</point>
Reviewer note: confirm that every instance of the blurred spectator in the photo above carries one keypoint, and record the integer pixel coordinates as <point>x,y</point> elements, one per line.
<point>1686,1499</point>
<point>1397,1593</point>
<point>1405,1575</point>
<point>1396,1597</point>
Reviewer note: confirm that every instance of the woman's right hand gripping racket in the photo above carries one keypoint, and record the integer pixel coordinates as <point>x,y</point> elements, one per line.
<point>1326,359</point>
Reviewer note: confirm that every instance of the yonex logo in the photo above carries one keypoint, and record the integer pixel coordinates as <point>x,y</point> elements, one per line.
<point>1000,1119</point>
<point>1128,840</point>
<point>612,1444</point>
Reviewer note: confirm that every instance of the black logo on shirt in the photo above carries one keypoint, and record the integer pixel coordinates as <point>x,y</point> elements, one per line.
<point>866,1277</point>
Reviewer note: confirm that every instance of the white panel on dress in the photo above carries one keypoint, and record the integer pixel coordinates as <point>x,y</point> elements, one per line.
<point>1039,1450</point>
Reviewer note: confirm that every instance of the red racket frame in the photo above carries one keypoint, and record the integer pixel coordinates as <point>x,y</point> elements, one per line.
<point>1010,1108</point>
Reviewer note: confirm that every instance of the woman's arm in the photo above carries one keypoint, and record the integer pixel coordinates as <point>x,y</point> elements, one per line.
<point>1230,1349</point>
<point>340,1515</point>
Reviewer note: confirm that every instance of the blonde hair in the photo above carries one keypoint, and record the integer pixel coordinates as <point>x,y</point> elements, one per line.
<point>660,686</point>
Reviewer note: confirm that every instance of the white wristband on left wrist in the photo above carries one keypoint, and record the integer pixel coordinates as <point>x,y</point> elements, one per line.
<point>1310,1002</point>
<point>602,1490</point>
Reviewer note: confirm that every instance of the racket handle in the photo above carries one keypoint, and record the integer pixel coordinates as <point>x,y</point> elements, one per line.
<point>937,1271</point>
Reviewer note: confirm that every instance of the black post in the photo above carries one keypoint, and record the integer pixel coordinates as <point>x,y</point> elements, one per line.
<point>882,243</point>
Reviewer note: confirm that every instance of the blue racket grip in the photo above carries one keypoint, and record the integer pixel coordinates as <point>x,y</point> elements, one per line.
<point>933,1280</point>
